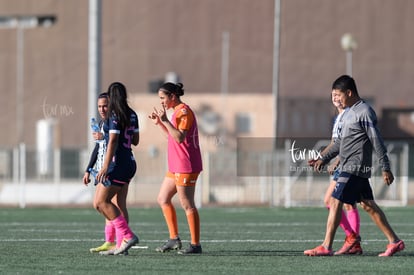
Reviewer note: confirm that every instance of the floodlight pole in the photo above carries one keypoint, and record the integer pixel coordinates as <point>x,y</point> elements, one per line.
<point>21,172</point>
<point>94,65</point>
<point>275,93</point>
<point>224,87</point>
<point>19,82</point>
<point>275,74</point>
<point>348,44</point>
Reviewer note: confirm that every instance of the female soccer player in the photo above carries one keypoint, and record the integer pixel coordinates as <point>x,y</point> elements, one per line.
<point>184,166</point>
<point>119,165</point>
<point>96,160</point>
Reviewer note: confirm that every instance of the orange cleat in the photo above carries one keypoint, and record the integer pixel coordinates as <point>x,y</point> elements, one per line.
<point>356,249</point>
<point>318,251</point>
<point>350,242</point>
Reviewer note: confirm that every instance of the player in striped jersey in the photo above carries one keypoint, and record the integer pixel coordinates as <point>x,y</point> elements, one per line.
<point>119,165</point>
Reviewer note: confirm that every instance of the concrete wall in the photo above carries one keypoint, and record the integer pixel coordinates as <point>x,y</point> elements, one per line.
<point>142,40</point>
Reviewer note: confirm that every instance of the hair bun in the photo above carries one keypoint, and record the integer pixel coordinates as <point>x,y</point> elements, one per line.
<point>172,88</point>
<point>179,89</point>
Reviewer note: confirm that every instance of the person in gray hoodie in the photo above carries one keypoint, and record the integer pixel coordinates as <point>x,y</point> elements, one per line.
<point>358,139</point>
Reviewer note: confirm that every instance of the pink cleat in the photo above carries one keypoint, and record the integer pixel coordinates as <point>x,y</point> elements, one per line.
<point>393,248</point>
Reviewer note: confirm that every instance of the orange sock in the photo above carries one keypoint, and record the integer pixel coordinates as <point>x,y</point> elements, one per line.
<point>171,219</point>
<point>193,220</point>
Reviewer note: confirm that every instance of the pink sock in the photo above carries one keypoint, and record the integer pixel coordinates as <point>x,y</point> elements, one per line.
<point>122,230</point>
<point>354,220</point>
<point>109,232</point>
<point>344,224</point>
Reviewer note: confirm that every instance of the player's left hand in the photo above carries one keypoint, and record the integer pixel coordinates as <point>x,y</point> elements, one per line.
<point>97,136</point>
<point>388,177</point>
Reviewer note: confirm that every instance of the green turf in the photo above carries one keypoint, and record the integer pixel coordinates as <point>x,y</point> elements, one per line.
<point>235,241</point>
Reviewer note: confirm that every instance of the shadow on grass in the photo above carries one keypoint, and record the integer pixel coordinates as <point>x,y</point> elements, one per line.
<point>230,253</point>
<point>266,253</point>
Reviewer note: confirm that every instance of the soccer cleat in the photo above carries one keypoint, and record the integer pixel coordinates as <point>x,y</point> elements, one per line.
<point>393,248</point>
<point>105,247</point>
<point>318,251</point>
<point>112,252</point>
<point>349,243</point>
<point>126,244</point>
<point>108,252</point>
<point>192,249</point>
<point>356,249</point>
<point>171,244</point>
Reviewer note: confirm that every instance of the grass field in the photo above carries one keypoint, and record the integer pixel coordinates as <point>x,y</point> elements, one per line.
<point>235,241</point>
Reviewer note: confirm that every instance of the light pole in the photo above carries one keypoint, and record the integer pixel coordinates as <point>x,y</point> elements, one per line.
<point>94,63</point>
<point>348,44</point>
<point>224,87</point>
<point>20,23</point>
<point>275,92</point>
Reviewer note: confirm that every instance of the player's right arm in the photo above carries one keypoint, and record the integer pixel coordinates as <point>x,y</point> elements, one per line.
<point>334,164</point>
<point>92,160</point>
<point>328,154</point>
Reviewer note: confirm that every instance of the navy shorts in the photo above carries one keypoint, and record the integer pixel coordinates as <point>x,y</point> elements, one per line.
<point>335,175</point>
<point>351,189</point>
<point>120,174</point>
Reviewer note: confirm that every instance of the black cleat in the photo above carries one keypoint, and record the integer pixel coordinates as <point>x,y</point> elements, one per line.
<point>171,244</point>
<point>192,249</point>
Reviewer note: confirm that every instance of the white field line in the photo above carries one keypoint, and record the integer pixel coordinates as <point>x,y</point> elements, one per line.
<point>85,225</point>
<point>69,228</point>
<point>404,235</point>
<point>203,241</point>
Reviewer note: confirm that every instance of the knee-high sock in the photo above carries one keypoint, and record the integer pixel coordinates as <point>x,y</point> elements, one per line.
<point>122,230</point>
<point>354,220</point>
<point>344,224</point>
<point>193,220</point>
<point>109,232</point>
<point>170,216</point>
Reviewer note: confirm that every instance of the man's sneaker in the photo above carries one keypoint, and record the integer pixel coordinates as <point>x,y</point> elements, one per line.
<point>192,249</point>
<point>350,242</point>
<point>171,244</point>
<point>126,244</point>
<point>356,249</point>
<point>105,247</point>
<point>318,251</point>
<point>393,248</point>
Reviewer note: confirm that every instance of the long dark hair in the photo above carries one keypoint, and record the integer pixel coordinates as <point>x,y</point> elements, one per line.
<point>118,104</point>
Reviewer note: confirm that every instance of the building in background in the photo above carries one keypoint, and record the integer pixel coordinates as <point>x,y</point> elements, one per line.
<point>144,40</point>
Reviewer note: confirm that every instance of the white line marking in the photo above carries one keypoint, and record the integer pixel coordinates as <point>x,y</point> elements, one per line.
<point>203,241</point>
